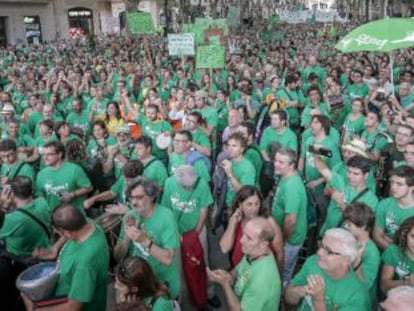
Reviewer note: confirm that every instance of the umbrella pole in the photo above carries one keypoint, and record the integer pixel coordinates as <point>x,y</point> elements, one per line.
<point>392,72</point>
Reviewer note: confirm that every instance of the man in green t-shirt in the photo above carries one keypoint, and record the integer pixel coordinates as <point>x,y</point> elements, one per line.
<point>131,170</point>
<point>83,262</point>
<point>154,169</point>
<point>61,181</point>
<point>182,154</point>
<point>12,166</point>
<point>392,211</point>
<point>327,281</point>
<point>277,132</point>
<point>255,282</point>
<point>289,208</point>
<point>343,193</point>
<point>150,231</point>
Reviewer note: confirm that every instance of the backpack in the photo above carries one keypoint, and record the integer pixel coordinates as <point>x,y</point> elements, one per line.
<point>194,156</point>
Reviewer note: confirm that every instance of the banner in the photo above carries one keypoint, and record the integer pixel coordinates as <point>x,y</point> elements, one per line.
<point>210,56</point>
<point>140,23</point>
<point>309,16</point>
<point>181,44</point>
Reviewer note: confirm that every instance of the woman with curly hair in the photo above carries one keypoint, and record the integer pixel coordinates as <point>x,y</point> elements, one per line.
<point>398,258</point>
<point>135,280</point>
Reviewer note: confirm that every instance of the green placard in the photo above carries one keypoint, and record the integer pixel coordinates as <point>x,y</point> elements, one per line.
<point>210,56</point>
<point>140,22</point>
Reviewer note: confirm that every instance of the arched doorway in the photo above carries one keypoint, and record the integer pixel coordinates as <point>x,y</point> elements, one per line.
<point>80,22</point>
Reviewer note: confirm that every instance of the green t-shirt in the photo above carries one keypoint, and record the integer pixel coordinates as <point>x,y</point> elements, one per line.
<point>21,233</point>
<point>24,141</point>
<point>186,204</point>
<point>257,284</point>
<point>222,115</point>
<point>293,112</point>
<point>160,304</point>
<point>156,171</point>
<point>390,215</point>
<point>255,157</point>
<point>53,183</point>
<point>80,120</point>
<point>311,173</point>
<point>245,173</point>
<point>306,117</point>
<point>287,139</point>
<point>357,91</point>
<point>334,215</point>
<point>18,169</point>
<point>211,116</point>
<point>162,229</point>
<point>153,130</point>
<point>371,261</point>
<point>291,198</point>
<point>374,141</point>
<point>346,294</point>
<point>394,257</point>
<point>84,271</point>
<point>352,128</point>
<point>201,138</point>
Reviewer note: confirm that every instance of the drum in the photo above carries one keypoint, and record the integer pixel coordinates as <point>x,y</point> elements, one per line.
<point>39,281</point>
<point>111,224</point>
<point>164,140</point>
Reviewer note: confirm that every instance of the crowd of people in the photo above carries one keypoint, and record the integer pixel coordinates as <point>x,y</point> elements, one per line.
<point>297,158</point>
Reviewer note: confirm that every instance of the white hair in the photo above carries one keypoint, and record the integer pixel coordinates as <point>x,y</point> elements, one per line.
<point>348,241</point>
<point>401,296</point>
<point>186,175</point>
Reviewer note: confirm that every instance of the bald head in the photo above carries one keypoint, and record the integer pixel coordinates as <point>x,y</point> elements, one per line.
<point>68,217</point>
<point>266,232</point>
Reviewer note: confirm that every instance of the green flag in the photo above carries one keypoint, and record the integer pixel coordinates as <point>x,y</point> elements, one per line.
<point>140,23</point>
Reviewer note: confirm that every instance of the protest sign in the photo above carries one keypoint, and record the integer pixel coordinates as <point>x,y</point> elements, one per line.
<point>140,23</point>
<point>181,44</point>
<point>210,56</point>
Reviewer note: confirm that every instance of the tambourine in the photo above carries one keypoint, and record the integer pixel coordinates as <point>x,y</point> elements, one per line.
<point>163,140</point>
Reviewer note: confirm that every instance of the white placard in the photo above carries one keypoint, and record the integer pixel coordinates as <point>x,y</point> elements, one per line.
<point>181,44</point>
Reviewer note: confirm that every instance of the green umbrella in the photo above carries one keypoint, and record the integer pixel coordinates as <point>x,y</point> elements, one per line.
<point>384,35</point>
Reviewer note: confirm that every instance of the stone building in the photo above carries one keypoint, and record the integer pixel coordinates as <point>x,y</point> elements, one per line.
<point>47,20</point>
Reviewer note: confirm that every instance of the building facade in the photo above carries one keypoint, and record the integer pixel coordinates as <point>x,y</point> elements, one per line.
<point>32,21</point>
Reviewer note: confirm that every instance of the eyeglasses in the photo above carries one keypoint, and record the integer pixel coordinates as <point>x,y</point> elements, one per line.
<point>137,197</point>
<point>328,251</point>
<point>180,141</point>
<point>49,154</point>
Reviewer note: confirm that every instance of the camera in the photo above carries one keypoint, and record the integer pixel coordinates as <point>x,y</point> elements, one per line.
<point>321,151</point>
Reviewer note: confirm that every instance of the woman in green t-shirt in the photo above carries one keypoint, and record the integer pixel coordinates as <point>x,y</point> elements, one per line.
<point>135,280</point>
<point>398,258</point>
